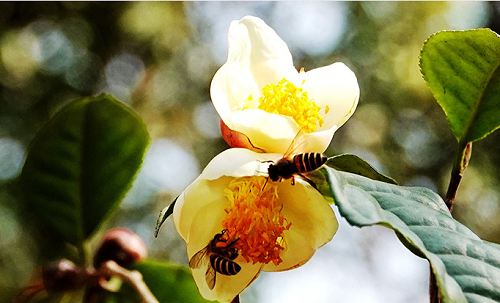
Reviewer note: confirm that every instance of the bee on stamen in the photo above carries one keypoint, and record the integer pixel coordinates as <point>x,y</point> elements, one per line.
<point>219,253</point>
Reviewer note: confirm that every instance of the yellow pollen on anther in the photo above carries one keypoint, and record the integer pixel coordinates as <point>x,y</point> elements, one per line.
<point>289,100</point>
<point>254,217</point>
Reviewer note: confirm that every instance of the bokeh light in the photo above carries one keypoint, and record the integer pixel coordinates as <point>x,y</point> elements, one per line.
<point>11,158</point>
<point>207,120</point>
<point>123,73</point>
<point>167,167</point>
<point>327,20</point>
<point>53,50</point>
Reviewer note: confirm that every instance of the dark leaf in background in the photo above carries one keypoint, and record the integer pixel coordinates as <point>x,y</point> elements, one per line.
<point>81,163</point>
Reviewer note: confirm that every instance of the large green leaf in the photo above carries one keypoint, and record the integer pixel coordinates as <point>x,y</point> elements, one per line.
<point>467,269</point>
<point>81,163</point>
<point>462,70</point>
<point>168,282</point>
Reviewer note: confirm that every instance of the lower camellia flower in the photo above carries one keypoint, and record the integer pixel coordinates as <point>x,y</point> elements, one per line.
<point>237,223</point>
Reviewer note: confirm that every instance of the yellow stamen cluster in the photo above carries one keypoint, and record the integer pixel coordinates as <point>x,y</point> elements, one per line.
<point>254,218</point>
<point>289,100</point>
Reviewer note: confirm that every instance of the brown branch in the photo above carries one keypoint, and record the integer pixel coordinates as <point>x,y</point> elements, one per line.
<point>29,292</point>
<point>461,162</point>
<point>133,278</point>
<point>433,289</point>
<point>456,178</point>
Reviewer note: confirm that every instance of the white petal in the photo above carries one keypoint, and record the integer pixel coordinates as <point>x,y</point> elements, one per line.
<point>196,196</point>
<point>319,140</point>
<point>270,58</point>
<point>237,162</point>
<point>274,133</point>
<point>206,224</point>
<point>313,216</point>
<point>312,219</point>
<point>230,89</point>
<point>298,251</point>
<point>256,57</point>
<point>334,85</point>
<point>269,132</point>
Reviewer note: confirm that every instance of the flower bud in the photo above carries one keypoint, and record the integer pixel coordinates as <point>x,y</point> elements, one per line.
<point>62,275</point>
<point>122,246</point>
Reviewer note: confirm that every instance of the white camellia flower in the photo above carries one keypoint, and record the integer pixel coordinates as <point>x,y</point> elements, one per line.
<point>263,101</point>
<point>273,226</point>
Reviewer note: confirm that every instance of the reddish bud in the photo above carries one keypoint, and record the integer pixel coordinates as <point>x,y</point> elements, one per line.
<point>236,139</point>
<point>63,275</point>
<point>122,246</point>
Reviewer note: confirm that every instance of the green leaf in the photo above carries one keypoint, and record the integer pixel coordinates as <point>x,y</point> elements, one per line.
<point>467,269</point>
<point>168,282</point>
<point>356,165</point>
<point>347,163</point>
<point>462,71</point>
<point>81,163</point>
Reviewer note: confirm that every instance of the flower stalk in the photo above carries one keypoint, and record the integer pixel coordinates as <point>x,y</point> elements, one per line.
<point>461,162</point>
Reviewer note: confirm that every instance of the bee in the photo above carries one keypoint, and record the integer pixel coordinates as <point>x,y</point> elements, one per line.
<point>288,166</point>
<point>220,255</point>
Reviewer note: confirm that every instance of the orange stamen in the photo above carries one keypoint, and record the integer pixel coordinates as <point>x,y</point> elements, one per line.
<point>254,217</point>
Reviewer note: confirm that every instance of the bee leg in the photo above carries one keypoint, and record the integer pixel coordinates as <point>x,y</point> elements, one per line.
<point>262,189</point>
<point>308,181</point>
<point>293,180</point>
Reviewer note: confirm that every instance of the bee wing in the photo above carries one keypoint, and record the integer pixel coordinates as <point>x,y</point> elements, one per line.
<point>198,258</point>
<point>297,142</point>
<point>210,277</point>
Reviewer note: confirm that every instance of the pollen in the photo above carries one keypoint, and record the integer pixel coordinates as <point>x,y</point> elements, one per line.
<point>254,218</point>
<point>289,100</point>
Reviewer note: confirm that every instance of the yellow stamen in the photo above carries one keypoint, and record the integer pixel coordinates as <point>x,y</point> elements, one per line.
<point>254,217</point>
<point>286,99</point>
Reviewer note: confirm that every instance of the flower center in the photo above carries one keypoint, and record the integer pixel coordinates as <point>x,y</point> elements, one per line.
<point>289,100</point>
<point>254,218</point>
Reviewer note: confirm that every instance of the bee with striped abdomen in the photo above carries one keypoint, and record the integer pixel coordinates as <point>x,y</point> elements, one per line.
<point>288,166</point>
<point>220,255</point>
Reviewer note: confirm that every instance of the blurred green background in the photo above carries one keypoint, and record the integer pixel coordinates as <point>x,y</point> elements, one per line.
<point>159,58</point>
